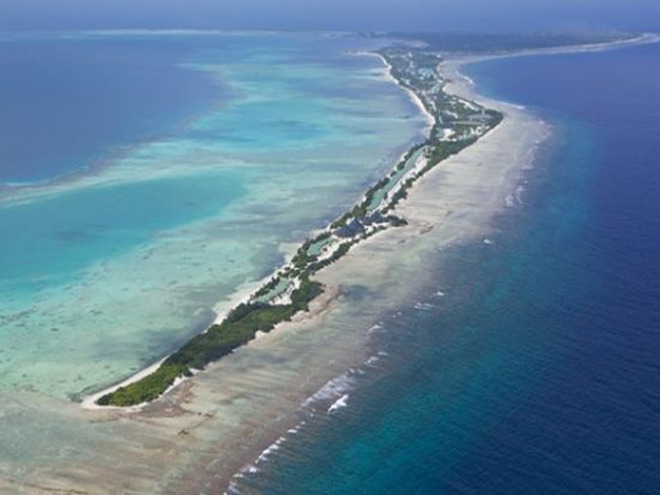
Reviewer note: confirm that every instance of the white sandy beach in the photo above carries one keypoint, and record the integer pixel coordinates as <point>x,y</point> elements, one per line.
<point>200,434</point>
<point>387,74</point>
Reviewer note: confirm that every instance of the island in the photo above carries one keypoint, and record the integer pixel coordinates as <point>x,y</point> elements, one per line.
<point>455,124</point>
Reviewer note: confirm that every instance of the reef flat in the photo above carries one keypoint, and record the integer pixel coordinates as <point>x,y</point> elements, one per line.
<point>456,124</point>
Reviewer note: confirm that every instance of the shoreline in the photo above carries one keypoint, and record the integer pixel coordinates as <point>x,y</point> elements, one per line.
<point>465,86</point>
<point>387,76</point>
<point>199,436</point>
<point>428,212</point>
<point>367,218</point>
<point>449,70</point>
<point>241,295</point>
<point>468,59</point>
<point>414,97</point>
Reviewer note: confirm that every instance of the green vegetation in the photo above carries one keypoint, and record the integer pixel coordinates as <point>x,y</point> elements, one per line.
<point>341,221</point>
<point>443,150</point>
<point>240,326</point>
<point>149,388</point>
<point>302,258</point>
<point>339,252</point>
<point>467,121</point>
<point>267,287</point>
<point>321,241</point>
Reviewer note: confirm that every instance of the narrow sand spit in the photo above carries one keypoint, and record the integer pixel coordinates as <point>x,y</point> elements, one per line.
<point>199,435</point>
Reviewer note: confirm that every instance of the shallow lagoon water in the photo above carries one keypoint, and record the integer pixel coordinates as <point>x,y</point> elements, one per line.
<point>111,266</point>
<point>522,364</point>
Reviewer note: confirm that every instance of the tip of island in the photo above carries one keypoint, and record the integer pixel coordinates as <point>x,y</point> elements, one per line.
<point>456,123</point>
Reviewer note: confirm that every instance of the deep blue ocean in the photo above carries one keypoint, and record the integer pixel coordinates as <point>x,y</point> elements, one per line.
<point>66,104</point>
<point>539,371</point>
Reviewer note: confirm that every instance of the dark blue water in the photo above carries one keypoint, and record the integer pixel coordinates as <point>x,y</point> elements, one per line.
<point>539,371</point>
<point>64,104</point>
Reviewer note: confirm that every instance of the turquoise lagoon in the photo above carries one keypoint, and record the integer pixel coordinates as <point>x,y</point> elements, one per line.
<point>184,176</point>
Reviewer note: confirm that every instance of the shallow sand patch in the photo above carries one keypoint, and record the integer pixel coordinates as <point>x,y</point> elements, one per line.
<point>200,434</point>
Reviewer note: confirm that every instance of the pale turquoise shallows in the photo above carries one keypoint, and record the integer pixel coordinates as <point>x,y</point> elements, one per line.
<point>105,271</point>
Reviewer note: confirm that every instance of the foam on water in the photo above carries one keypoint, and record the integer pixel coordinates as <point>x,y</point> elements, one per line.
<point>336,387</point>
<point>108,270</point>
<point>545,355</point>
<point>339,403</point>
